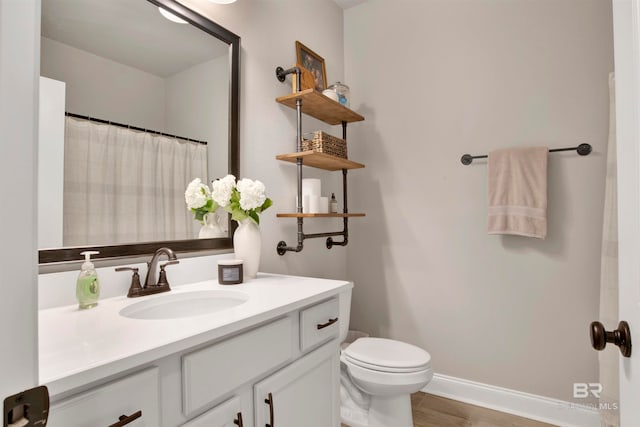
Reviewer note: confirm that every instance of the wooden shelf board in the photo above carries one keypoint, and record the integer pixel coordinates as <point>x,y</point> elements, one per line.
<point>319,215</point>
<point>321,107</point>
<point>320,160</point>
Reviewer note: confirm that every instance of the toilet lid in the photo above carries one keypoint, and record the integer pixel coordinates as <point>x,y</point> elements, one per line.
<point>384,353</point>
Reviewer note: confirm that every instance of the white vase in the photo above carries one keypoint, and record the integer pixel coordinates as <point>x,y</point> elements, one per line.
<point>246,245</point>
<point>211,227</point>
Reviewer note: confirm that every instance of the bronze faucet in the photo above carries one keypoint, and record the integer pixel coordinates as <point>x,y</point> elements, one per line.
<point>150,286</point>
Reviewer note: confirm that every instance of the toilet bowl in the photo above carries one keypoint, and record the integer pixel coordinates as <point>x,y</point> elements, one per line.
<point>377,377</point>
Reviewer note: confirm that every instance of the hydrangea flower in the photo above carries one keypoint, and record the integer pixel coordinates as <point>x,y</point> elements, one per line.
<point>197,194</point>
<point>243,200</point>
<point>252,194</point>
<point>222,189</point>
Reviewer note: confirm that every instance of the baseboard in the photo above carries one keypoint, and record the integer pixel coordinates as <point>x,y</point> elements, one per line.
<point>539,408</point>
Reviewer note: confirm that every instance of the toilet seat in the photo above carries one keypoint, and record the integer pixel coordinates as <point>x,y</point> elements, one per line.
<point>385,355</point>
<point>380,368</point>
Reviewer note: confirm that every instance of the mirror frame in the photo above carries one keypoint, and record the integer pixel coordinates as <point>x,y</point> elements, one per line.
<point>46,256</point>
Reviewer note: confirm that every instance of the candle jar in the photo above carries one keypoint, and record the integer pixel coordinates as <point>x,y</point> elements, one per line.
<point>230,272</point>
<point>343,92</point>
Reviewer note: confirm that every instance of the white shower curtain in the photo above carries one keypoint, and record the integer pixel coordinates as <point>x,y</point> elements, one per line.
<point>609,358</point>
<point>127,186</point>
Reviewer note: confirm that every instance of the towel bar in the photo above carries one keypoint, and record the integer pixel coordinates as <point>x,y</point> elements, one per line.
<point>582,149</point>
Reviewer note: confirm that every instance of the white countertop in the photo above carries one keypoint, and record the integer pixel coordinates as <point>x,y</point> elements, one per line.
<point>80,346</point>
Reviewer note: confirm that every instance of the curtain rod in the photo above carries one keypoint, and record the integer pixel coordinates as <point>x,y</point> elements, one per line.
<point>582,149</point>
<point>108,122</point>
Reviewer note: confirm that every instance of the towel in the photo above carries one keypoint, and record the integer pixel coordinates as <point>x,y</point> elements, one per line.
<point>518,191</point>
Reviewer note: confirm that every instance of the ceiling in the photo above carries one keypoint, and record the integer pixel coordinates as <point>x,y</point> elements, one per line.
<point>131,32</point>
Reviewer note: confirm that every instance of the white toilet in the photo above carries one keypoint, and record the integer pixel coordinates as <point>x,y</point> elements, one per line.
<point>377,376</point>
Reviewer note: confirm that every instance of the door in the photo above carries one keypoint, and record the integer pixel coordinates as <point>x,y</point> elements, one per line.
<point>19,69</point>
<point>304,393</point>
<point>626,14</point>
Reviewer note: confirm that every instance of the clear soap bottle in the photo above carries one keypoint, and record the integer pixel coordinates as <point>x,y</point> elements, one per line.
<point>333,204</point>
<point>87,285</point>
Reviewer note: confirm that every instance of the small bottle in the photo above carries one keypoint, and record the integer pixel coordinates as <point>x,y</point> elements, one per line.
<point>333,204</point>
<point>87,286</point>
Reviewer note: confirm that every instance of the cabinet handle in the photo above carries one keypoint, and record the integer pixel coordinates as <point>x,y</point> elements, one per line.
<point>238,420</point>
<point>269,401</point>
<point>124,419</point>
<point>329,323</point>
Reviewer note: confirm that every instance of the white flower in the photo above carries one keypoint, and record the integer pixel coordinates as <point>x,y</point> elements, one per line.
<point>197,194</point>
<point>252,194</point>
<point>222,189</point>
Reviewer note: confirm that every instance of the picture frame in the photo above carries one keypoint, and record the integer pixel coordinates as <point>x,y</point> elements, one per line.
<point>313,62</point>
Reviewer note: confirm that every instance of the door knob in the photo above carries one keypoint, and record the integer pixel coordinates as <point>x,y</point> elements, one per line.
<point>620,337</point>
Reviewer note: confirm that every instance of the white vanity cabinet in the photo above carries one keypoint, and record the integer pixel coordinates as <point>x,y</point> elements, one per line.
<point>282,371</point>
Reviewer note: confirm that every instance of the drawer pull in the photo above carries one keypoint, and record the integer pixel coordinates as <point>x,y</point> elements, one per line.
<point>124,419</point>
<point>329,323</point>
<point>269,401</point>
<point>238,421</point>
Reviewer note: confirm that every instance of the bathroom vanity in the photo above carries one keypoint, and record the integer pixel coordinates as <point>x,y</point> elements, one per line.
<point>264,352</point>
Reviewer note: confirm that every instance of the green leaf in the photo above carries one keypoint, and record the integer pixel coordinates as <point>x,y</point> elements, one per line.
<point>254,215</point>
<point>267,203</point>
<point>238,215</point>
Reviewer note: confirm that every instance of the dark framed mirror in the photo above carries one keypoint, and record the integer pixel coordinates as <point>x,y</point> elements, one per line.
<point>154,64</point>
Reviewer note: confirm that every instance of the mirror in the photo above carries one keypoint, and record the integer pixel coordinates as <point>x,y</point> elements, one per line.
<point>133,106</point>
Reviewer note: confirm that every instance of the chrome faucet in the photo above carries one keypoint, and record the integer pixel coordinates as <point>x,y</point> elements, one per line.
<point>150,286</point>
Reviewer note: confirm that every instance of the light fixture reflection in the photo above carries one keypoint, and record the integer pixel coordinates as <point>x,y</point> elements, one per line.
<point>171,17</point>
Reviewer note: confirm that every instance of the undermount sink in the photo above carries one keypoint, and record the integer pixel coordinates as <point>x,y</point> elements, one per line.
<point>184,304</point>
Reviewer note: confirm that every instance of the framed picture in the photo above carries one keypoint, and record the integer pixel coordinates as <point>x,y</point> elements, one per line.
<point>314,63</point>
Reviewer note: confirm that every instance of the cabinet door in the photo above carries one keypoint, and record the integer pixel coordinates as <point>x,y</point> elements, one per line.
<point>227,414</point>
<point>305,393</point>
<point>102,406</point>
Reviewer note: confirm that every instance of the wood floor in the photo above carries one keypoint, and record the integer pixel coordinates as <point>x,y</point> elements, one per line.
<point>434,411</point>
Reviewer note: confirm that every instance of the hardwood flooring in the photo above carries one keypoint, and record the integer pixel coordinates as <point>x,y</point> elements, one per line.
<point>434,411</point>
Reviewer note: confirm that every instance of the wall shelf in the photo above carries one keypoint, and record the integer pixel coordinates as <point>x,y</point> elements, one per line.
<point>316,105</point>
<point>320,160</point>
<point>319,106</point>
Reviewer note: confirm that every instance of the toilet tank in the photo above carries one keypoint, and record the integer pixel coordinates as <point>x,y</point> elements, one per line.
<point>344,307</point>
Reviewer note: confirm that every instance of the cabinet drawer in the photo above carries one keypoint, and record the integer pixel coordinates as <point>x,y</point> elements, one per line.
<point>101,406</point>
<point>210,373</point>
<point>223,415</point>
<point>319,323</point>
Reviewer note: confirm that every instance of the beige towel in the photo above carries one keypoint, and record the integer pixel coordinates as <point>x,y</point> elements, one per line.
<point>518,191</point>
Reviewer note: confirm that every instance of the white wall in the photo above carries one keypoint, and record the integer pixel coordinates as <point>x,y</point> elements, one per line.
<point>197,106</point>
<point>268,33</point>
<point>101,88</point>
<point>448,77</point>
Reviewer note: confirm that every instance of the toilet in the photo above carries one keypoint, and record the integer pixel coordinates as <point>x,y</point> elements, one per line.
<point>377,377</point>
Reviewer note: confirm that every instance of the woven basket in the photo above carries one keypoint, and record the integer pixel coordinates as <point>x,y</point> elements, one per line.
<point>322,142</point>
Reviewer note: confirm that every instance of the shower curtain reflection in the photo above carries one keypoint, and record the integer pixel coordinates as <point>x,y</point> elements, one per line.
<point>124,186</point>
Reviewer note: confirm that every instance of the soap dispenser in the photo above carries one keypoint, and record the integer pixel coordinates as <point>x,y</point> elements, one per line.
<point>333,204</point>
<point>87,286</point>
